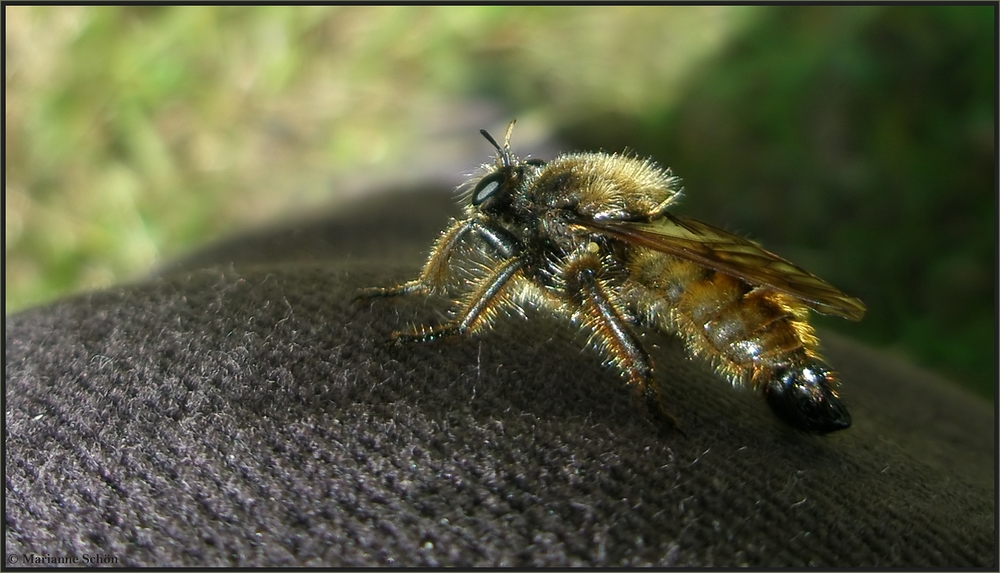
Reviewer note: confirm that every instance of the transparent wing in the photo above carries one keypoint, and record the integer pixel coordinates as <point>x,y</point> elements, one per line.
<point>726,253</point>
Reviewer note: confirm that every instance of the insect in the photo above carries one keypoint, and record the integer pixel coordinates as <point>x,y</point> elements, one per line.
<point>589,237</point>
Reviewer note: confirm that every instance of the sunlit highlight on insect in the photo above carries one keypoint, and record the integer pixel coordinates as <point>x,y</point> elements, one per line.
<point>589,237</point>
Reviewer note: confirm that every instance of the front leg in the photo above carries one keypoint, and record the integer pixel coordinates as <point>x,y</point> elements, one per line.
<point>604,315</point>
<point>479,308</point>
<point>435,272</point>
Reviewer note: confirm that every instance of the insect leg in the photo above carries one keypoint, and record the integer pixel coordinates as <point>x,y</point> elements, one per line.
<point>603,314</point>
<point>479,309</point>
<point>435,271</point>
<point>501,241</point>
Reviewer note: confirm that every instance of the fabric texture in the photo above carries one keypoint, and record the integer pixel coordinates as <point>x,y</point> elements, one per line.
<point>238,409</point>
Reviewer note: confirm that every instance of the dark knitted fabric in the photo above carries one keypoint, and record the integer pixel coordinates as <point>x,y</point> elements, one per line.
<point>239,409</point>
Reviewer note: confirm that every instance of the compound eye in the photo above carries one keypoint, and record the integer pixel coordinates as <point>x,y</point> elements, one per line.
<point>487,187</point>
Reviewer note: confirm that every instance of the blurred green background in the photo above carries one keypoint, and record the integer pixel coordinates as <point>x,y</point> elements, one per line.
<point>856,141</point>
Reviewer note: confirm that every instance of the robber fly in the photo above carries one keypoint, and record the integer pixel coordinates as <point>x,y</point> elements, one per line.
<point>589,237</point>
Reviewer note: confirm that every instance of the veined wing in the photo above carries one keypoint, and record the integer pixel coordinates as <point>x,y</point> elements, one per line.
<point>724,252</point>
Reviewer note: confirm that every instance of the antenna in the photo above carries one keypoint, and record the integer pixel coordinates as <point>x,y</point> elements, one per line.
<point>506,159</point>
<point>489,138</point>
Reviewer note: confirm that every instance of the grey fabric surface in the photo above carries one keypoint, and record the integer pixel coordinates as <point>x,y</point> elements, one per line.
<point>239,409</point>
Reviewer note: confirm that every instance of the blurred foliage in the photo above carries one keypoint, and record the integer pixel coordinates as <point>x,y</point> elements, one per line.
<point>857,141</point>
<point>135,132</point>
